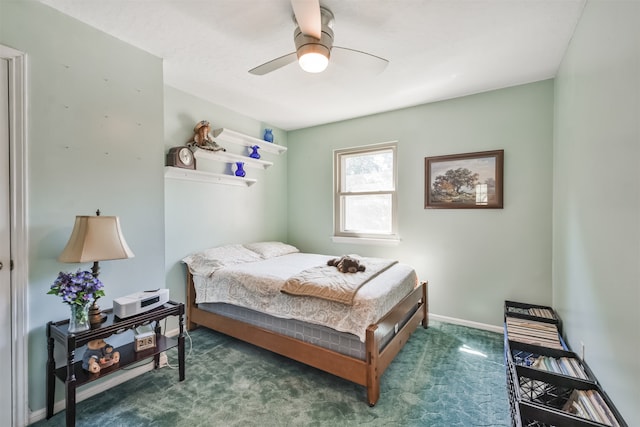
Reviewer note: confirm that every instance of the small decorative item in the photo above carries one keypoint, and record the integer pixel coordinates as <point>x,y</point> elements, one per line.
<point>268,135</point>
<point>99,355</point>
<point>240,169</point>
<point>78,290</point>
<point>464,181</point>
<point>254,152</point>
<point>202,139</point>
<point>144,338</point>
<point>181,157</point>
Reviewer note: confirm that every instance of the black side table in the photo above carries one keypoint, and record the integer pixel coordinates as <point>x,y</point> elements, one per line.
<point>72,373</point>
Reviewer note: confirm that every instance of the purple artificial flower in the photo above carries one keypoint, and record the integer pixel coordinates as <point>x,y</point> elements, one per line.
<point>77,288</point>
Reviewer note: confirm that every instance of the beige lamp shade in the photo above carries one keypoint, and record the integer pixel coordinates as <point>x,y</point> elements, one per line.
<point>96,238</point>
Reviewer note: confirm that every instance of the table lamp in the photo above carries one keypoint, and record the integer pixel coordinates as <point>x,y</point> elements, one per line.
<point>93,239</point>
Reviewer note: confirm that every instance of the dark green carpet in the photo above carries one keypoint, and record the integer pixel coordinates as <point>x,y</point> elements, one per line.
<point>229,383</point>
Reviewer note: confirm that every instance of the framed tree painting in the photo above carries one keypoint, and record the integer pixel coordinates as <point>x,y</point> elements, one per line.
<point>464,181</point>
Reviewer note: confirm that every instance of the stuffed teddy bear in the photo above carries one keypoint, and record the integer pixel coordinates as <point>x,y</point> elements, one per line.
<point>99,355</point>
<point>346,264</point>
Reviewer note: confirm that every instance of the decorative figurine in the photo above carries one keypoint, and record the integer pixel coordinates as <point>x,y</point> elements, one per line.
<point>99,355</point>
<point>254,153</point>
<point>202,139</point>
<point>268,135</point>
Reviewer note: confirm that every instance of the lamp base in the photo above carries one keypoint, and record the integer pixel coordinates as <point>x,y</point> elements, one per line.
<point>96,318</point>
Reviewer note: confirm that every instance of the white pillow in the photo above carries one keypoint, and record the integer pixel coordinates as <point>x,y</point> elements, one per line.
<point>271,249</point>
<point>206,262</point>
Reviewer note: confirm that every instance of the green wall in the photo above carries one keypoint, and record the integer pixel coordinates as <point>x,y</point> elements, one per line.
<point>596,245</point>
<point>95,126</point>
<point>202,215</point>
<point>473,259</point>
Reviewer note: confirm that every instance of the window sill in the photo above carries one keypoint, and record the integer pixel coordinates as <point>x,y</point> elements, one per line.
<point>366,241</point>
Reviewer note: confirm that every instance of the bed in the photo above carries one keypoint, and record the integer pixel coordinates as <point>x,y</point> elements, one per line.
<point>244,291</point>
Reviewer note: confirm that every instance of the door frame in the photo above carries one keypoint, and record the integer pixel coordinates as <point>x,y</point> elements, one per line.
<point>18,229</point>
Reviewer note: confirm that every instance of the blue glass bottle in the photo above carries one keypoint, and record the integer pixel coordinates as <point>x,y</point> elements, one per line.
<point>254,153</point>
<point>240,169</point>
<point>268,135</point>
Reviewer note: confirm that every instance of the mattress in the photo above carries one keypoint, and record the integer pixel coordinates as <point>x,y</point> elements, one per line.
<point>322,336</point>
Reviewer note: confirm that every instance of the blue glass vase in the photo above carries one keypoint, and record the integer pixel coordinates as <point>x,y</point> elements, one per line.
<point>254,152</point>
<point>240,169</point>
<point>268,135</point>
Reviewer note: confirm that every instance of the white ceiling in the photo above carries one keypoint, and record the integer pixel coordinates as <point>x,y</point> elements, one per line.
<point>438,49</point>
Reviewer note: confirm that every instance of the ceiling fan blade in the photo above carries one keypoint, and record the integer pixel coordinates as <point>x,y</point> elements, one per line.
<point>364,61</point>
<point>274,64</point>
<point>307,14</point>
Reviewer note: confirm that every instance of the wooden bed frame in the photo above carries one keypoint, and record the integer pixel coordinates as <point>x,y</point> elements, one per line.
<point>364,372</point>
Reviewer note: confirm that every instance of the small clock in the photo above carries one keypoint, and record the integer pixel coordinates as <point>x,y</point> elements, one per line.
<point>181,157</point>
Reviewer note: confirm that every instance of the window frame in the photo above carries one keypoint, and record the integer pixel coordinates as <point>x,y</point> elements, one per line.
<point>338,194</point>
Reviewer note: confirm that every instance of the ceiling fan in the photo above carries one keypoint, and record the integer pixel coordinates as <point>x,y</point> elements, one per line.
<point>313,38</point>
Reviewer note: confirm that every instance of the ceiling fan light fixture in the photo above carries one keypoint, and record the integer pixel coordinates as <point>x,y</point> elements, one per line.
<point>313,58</point>
<point>313,49</point>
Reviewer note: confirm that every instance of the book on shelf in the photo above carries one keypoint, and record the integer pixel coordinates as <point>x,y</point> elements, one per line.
<point>589,404</point>
<point>563,365</point>
<point>604,409</point>
<point>565,368</point>
<point>518,310</point>
<point>532,311</point>
<point>533,332</point>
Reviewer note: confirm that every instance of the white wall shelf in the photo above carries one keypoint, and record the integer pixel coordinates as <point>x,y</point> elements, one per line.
<point>206,177</point>
<point>224,156</point>
<point>224,135</point>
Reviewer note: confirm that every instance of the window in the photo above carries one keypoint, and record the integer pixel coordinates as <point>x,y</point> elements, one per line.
<point>365,192</point>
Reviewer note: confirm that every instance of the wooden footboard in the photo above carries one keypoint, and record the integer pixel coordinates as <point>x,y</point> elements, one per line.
<point>364,372</point>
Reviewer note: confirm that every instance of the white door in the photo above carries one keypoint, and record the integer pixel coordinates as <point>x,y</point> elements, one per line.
<point>6,398</point>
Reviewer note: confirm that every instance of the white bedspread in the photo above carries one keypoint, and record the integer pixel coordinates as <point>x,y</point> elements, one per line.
<point>256,285</point>
<point>327,282</point>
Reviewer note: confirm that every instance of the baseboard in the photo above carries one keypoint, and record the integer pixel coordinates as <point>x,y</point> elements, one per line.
<point>468,323</point>
<point>89,391</point>
<point>172,333</point>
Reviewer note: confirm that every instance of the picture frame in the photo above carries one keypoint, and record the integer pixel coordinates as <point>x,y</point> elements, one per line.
<point>464,181</point>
